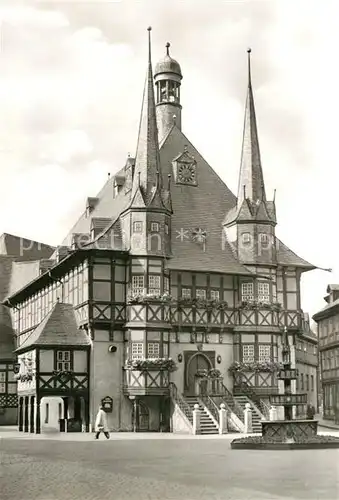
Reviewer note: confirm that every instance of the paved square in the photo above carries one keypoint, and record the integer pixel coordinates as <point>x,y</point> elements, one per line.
<point>161,469</point>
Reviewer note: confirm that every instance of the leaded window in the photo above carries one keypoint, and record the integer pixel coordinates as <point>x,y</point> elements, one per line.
<point>248,353</point>
<point>137,350</point>
<point>186,293</point>
<point>153,349</point>
<point>154,284</point>
<point>247,291</point>
<point>200,293</point>
<point>264,353</point>
<point>214,294</point>
<point>263,292</point>
<point>138,284</point>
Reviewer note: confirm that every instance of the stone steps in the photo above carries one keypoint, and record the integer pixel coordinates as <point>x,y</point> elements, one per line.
<point>207,425</point>
<point>256,416</point>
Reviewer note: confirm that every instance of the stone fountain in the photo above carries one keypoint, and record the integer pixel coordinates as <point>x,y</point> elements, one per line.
<point>288,433</point>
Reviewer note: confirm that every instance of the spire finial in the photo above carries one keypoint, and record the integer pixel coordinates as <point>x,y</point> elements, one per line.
<point>249,50</point>
<point>167,48</point>
<point>149,29</point>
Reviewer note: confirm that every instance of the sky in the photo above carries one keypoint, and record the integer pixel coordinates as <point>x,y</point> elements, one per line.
<point>71,83</point>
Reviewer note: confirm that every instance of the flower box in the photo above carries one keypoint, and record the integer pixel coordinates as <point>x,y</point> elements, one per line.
<point>151,364</point>
<point>257,366</point>
<point>254,304</point>
<point>148,298</point>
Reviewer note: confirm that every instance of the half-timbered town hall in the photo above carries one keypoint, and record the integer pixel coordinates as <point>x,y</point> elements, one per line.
<point>168,291</point>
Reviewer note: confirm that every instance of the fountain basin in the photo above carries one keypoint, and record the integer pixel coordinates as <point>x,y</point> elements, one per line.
<point>260,443</point>
<point>287,435</point>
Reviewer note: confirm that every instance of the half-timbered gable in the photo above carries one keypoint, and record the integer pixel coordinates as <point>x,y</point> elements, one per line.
<point>54,363</point>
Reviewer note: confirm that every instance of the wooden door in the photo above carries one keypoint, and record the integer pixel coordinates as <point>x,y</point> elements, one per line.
<point>196,363</point>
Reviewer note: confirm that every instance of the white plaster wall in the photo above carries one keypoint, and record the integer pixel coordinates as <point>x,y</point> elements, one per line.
<point>53,413</point>
<point>107,376</point>
<point>179,423</point>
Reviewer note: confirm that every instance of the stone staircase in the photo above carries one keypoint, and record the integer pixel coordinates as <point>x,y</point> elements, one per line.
<point>207,425</point>
<point>256,415</point>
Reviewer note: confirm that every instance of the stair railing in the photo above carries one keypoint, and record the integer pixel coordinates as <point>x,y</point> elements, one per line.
<point>211,406</point>
<point>184,407</point>
<point>253,396</point>
<point>234,406</point>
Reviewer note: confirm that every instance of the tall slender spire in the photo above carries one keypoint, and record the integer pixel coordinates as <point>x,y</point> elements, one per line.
<point>251,179</point>
<point>147,161</point>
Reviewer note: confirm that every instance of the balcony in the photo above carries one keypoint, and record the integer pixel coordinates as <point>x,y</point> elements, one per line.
<point>148,377</point>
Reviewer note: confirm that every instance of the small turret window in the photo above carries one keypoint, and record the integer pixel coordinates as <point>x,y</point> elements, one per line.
<point>155,227</point>
<point>137,227</point>
<point>263,237</point>
<point>246,238</point>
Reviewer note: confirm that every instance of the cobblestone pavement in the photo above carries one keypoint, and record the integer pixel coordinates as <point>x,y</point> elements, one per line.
<point>162,469</point>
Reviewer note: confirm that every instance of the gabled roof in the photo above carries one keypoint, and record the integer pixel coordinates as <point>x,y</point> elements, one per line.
<point>59,327</point>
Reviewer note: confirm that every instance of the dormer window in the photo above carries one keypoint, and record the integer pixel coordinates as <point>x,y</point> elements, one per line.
<point>155,227</point>
<point>246,238</point>
<point>137,227</point>
<point>115,189</point>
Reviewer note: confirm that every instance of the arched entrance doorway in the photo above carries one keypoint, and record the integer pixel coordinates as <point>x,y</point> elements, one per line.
<point>196,365</point>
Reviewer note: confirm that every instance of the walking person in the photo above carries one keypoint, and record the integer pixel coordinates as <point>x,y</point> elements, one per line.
<point>101,424</point>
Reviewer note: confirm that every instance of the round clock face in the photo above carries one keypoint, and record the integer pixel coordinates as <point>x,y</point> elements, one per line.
<point>186,172</point>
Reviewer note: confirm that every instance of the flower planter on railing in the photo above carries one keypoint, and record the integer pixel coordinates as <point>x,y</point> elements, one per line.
<point>151,364</point>
<point>254,304</point>
<point>27,377</point>
<point>63,374</point>
<point>257,366</point>
<point>149,298</point>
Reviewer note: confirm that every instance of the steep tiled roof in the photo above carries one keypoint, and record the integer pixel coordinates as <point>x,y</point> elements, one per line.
<point>326,311</point>
<point>198,207</point>
<point>107,206</point>
<point>286,257</point>
<point>59,327</point>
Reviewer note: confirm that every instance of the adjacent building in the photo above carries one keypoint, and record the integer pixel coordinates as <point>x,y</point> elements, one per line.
<point>328,337</point>
<point>17,257</point>
<point>168,288</point>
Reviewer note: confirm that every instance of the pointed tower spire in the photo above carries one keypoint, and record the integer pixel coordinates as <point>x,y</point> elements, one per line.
<point>251,175</point>
<point>147,161</point>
